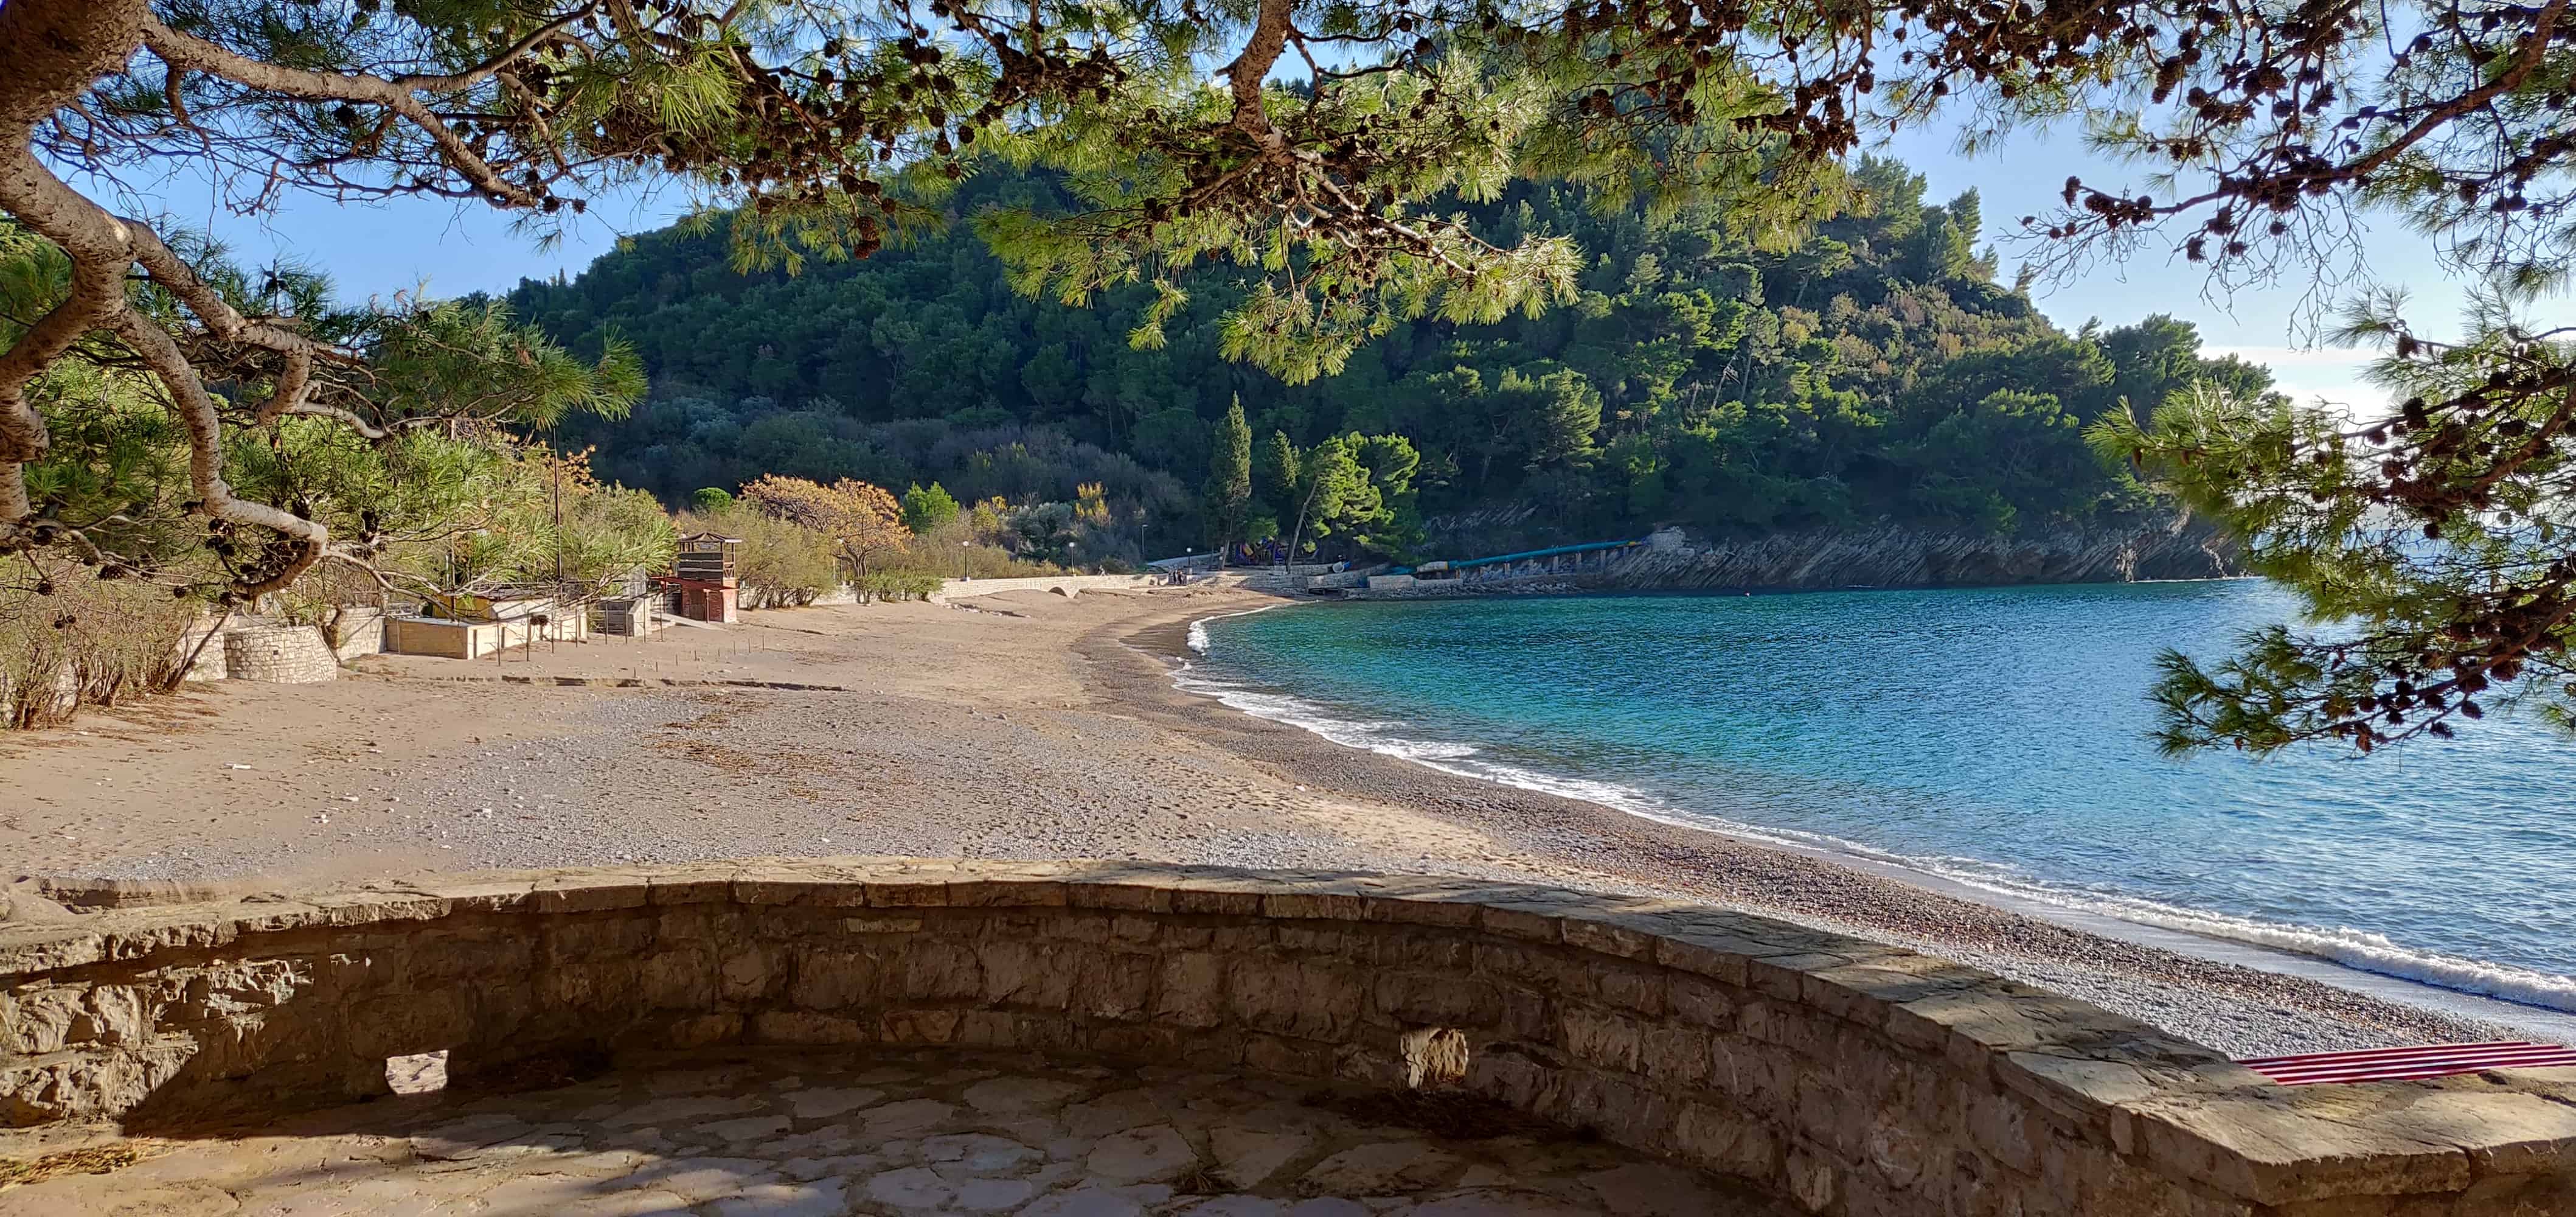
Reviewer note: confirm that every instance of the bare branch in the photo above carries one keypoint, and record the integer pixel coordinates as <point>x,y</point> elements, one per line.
<point>188,51</point>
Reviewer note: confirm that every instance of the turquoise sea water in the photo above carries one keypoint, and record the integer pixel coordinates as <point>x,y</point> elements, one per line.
<point>1994,736</point>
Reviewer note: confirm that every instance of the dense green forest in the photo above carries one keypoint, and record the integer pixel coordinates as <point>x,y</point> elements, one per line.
<point>1877,371</point>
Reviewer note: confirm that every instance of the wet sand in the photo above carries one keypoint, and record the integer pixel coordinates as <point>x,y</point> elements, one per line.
<point>1024,725</point>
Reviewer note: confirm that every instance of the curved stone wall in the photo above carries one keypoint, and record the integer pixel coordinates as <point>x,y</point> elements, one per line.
<point>1856,1078</point>
<point>280,654</point>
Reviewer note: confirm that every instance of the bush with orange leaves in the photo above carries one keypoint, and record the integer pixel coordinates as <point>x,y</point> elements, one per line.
<point>864,522</point>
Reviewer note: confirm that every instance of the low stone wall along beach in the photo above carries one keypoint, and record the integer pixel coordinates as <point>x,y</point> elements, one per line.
<point>1850,1077</point>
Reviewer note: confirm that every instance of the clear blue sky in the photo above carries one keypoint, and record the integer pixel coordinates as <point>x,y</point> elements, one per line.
<point>454,249</point>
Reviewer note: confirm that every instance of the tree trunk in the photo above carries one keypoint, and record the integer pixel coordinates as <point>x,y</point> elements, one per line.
<point>180,677</point>
<point>1299,532</point>
<point>56,49</point>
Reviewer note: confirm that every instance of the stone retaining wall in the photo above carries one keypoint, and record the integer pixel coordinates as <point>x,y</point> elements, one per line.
<point>279,654</point>
<point>954,589</point>
<point>1853,1077</point>
<point>266,649</point>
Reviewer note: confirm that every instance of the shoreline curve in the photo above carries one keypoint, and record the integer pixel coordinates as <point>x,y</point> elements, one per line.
<point>2474,1012</point>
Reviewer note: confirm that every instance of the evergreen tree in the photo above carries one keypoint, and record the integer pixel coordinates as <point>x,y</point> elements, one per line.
<point>1229,487</point>
<point>825,128</point>
<point>1277,478</point>
<point>1334,492</point>
<point>924,510</point>
<point>1728,413</point>
<point>1556,413</point>
<point>2436,541</point>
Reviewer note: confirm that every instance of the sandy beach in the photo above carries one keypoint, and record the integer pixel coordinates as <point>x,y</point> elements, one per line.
<point>1025,725</point>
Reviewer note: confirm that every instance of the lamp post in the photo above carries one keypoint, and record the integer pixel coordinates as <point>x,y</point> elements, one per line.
<point>962,547</point>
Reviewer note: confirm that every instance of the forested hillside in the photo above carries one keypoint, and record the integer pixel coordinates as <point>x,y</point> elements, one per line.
<point>1877,372</point>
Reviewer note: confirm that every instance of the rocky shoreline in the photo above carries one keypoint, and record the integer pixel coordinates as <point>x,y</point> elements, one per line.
<point>2149,547</point>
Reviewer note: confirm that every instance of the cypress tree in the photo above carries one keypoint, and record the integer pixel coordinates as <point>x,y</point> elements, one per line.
<point>1229,490</point>
<point>1275,480</point>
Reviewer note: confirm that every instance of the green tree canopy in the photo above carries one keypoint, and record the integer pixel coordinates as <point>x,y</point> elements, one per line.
<point>1731,414</point>
<point>822,131</point>
<point>1278,477</point>
<point>924,510</point>
<point>2434,546</point>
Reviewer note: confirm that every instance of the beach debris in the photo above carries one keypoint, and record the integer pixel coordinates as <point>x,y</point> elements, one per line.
<point>92,1160</point>
<point>236,766</point>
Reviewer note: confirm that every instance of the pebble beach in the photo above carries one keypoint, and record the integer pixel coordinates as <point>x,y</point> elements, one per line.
<point>1019,726</point>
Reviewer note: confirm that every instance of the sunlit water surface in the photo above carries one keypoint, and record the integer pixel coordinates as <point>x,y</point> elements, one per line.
<point>1996,736</point>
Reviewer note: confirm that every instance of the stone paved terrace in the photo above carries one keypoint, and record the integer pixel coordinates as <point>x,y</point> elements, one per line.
<point>1842,1077</point>
<point>801,1133</point>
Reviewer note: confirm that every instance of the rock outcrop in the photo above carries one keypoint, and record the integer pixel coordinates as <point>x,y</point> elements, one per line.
<point>1885,555</point>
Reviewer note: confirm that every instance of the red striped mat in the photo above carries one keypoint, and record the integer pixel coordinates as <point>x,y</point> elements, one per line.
<point>2397,1064</point>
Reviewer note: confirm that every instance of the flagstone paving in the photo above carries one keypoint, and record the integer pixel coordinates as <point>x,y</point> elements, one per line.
<point>801,1133</point>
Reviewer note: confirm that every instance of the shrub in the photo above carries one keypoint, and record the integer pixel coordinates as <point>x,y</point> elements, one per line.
<point>69,639</point>
<point>898,585</point>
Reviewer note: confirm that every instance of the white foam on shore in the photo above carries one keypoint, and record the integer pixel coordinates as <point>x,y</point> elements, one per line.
<point>2358,949</point>
<point>1198,636</point>
<point>1350,733</point>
